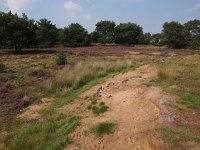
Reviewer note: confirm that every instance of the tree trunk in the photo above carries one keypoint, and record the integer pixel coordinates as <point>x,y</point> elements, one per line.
<point>17,49</point>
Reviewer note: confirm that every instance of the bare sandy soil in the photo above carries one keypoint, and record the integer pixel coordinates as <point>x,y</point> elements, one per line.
<point>135,107</point>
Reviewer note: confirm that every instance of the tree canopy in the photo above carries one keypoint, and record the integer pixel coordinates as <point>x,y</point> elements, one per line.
<point>106,31</point>
<point>76,35</point>
<point>128,33</point>
<point>174,35</point>
<point>193,33</point>
<point>47,33</point>
<point>15,31</point>
<point>18,31</point>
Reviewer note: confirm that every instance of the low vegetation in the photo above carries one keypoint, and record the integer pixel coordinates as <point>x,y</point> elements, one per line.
<point>96,106</point>
<point>175,136</point>
<point>41,78</point>
<point>49,134</point>
<point>2,67</point>
<point>103,128</point>
<point>61,58</point>
<point>179,76</point>
<point>102,108</point>
<point>83,72</point>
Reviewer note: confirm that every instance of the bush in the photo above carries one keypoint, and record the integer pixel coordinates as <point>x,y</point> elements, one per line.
<point>2,67</point>
<point>61,58</point>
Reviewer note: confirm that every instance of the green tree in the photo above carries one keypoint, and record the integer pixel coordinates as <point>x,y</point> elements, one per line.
<point>76,35</point>
<point>146,39</point>
<point>17,32</point>
<point>106,31</point>
<point>47,33</point>
<point>156,39</point>
<point>94,37</point>
<point>174,35</point>
<point>193,34</point>
<point>60,36</point>
<point>128,33</point>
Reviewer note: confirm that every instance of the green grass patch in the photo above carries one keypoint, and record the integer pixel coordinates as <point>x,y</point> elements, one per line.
<point>180,76</point>
<point>99,110</point>
<point>103,128</point>
<point>177,135</point>
<point>50,134</point>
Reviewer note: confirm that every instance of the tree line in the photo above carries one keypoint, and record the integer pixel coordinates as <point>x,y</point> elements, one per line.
<point>19,31</point>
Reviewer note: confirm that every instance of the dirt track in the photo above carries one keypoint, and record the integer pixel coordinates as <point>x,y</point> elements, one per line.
<point>135,107</point>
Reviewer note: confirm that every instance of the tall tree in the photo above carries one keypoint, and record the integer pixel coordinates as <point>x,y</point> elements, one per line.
<point>94,37</point>
<point>174,35</point>
<point>193,34</point>
<point>15,31</point>
<point>106,31</point>
<point>47,33</point>
<point>146,39</point>
<point>128,33</point>
<point>76,35</point>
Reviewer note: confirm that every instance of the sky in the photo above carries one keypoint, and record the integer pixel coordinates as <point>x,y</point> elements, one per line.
<point>150,14</point>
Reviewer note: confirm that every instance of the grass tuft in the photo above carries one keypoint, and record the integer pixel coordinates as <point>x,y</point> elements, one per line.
<point>103,128</point>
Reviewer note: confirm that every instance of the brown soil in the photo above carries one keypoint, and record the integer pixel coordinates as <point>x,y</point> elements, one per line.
<point>136,108</point>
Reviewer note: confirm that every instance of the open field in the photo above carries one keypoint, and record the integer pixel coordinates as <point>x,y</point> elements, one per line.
<point>112,97</point>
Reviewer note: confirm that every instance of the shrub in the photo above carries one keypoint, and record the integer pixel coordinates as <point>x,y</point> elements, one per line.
<point>2,67</point>
<point>61,58</point>
<point>103,128</point>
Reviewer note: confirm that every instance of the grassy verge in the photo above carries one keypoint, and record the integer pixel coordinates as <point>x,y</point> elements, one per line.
<point>180,76</point>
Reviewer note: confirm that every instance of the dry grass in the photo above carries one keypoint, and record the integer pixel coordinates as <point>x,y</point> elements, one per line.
<point>167,74</point>
<point>85,71</point>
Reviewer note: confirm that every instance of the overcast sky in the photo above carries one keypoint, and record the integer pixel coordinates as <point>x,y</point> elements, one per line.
<point>150,14</point>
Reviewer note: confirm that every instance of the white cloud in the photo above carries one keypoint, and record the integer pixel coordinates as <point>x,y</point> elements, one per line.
<point>195,7</point>
<point>73,10</point>
<point>72,7</point>
<point>87,17</point>
<point>17,6</point>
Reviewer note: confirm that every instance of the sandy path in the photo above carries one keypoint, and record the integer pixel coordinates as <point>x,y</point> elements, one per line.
<point>135,107</point>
